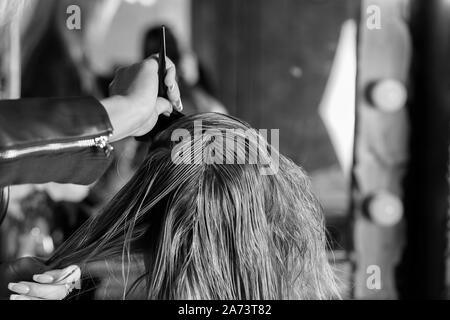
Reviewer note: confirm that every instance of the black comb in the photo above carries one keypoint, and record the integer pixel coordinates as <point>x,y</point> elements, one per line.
<point>163,121</point>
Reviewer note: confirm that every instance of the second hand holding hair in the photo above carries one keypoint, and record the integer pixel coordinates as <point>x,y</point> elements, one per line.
<point>53,285</point>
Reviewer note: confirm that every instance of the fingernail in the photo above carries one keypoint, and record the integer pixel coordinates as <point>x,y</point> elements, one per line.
<point>179,105</point>
<point>167,114</point>
<point>171,87</point>
<point>19,288</point>
<point>17,297</point>
<point>43,278</point>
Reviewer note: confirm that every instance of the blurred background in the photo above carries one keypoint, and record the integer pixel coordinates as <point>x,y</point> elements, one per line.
<point>358,88</point>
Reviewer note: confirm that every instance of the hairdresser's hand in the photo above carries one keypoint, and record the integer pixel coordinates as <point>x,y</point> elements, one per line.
<point>47,286</point>
<point>134,105</point>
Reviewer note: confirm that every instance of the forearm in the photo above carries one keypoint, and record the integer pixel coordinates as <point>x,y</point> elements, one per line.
<point>49,140</point>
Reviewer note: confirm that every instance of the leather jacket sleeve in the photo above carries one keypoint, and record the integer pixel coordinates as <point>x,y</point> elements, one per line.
<point>62,140</point>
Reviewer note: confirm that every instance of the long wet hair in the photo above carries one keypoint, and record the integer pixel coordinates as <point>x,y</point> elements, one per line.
<point>212,230</point>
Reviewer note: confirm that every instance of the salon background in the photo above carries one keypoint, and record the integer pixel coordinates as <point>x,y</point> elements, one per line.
<point>356,88</point>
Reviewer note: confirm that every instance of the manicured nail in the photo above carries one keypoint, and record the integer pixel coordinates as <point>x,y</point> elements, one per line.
<point>171,87</point>
<point>67,273</point>
<point>19,288</point>
<point>179,105</point>
<point>45,278</point>
<point>17,297</point>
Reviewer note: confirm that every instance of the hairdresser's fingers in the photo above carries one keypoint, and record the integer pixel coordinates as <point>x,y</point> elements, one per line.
<point>163,106</point>
<point>47,277</point>
<point>173,91</point>
<point>169,63</point>
<point>22,297</point>
<point>154,57</point>
<point>43,291</point>
<point>151,63</point>
<point>54,275</point>
<point>171,79</point>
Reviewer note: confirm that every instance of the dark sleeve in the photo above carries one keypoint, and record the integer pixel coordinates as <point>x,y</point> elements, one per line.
<point>62,140</point>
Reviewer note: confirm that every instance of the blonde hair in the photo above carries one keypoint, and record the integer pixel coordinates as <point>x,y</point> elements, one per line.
<point>213,231</point>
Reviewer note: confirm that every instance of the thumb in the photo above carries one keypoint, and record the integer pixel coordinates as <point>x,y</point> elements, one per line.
<point>163,106</point>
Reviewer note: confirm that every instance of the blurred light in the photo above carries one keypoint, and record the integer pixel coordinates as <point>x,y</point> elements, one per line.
<point>337,108</point>
<point>296,72</point>
<point>389,95</point>
<point>385,209</point>
<point>47,244</point>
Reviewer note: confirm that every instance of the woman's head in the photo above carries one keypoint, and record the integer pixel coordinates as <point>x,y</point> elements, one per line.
<point>209,229</point>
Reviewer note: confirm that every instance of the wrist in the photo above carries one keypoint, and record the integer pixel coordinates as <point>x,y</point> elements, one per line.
<point>124,114</point>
